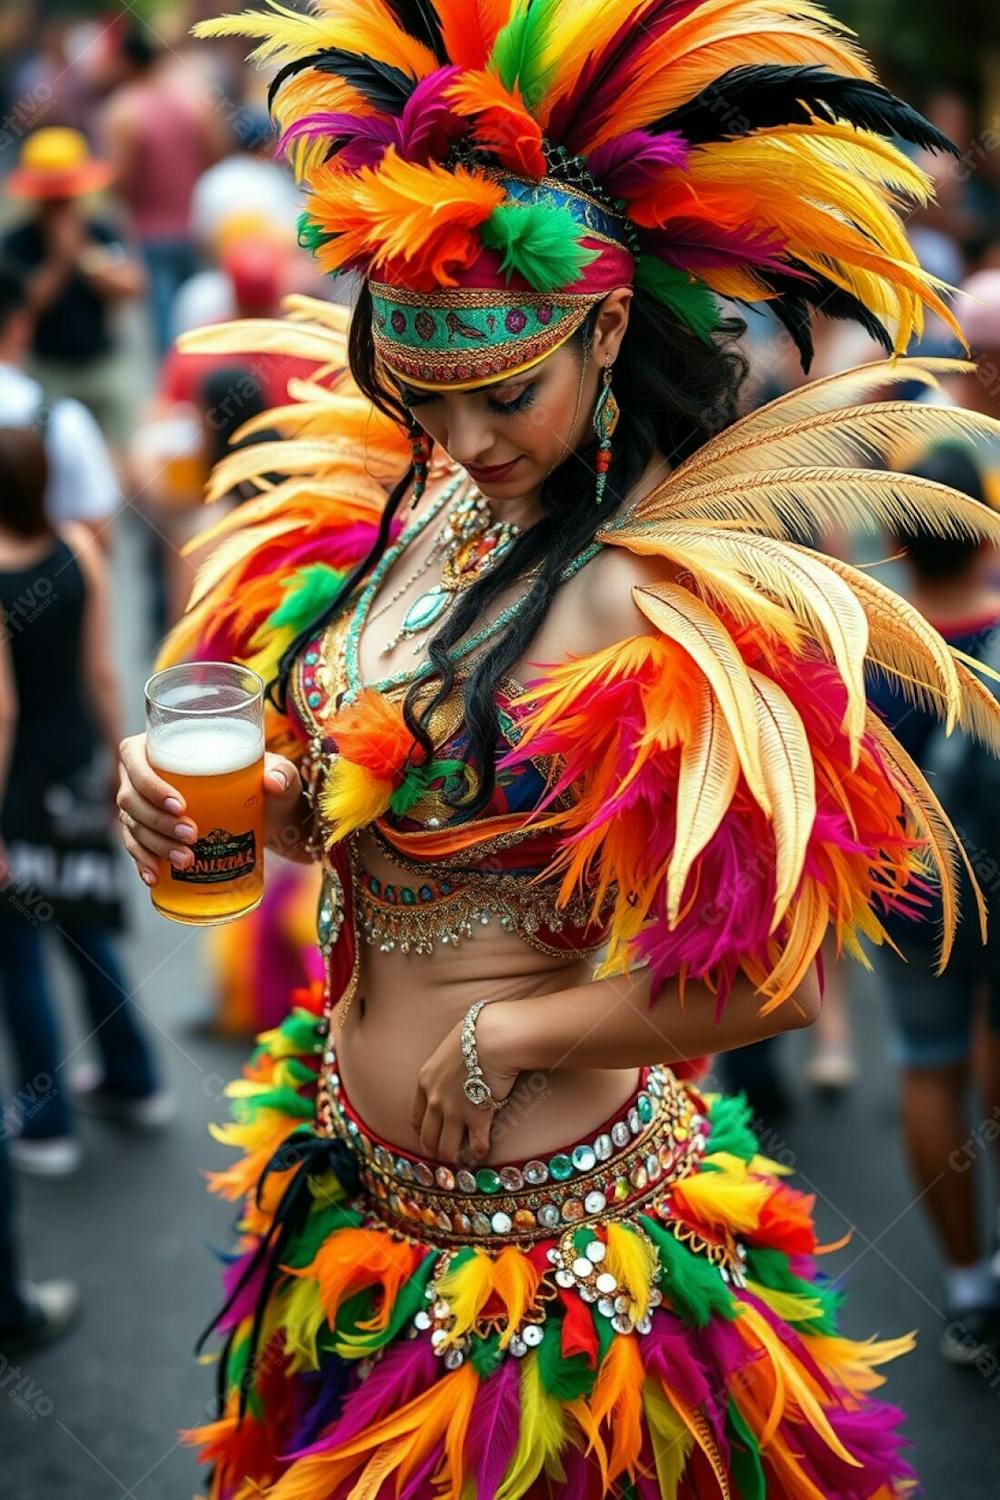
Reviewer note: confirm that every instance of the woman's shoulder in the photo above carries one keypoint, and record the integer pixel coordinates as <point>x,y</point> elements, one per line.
<point>606,607</point>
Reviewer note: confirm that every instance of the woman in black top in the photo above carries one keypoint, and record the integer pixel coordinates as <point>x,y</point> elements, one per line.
<point>58,708</point>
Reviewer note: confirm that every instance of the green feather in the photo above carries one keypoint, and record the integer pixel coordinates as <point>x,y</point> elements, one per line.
<point>284,1099</point>
<point>691,302</point>
<point>485,1355</point>
<point>408,1303</point>
<point>771,1269</point>
<point>748,1471</point>
<point>307,594</point>
<point>561,1377</point>
<point>322,1222</point>
<point>730,1116</point>
<point>417,780</point>
<point>310,234</point>
<point>517,51</point>
<point>303,1030</point>
<point>540,241</point>
<point>692,1285</point>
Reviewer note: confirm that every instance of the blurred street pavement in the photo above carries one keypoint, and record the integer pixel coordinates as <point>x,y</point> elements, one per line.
<point>136,1229</point>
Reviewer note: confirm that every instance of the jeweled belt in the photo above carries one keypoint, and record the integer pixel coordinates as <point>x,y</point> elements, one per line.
<point>657,1139</point>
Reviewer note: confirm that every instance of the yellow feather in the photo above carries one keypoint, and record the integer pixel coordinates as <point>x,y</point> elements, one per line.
<point>851,1364</point>
<point>541,1434</point>
<point>267,336</point>
<point>793,1307</point>
<point>351,798</point>
<point>467,1288</point>
<point>304,1316</point>
<point>632,1259</point>
<point>684,619</point>
<point>709,772</point>
<point>727,1198</point>
<point>670,1438</point>
<point>810,916</point>
<point>788,769</point>
<point>356,25</point>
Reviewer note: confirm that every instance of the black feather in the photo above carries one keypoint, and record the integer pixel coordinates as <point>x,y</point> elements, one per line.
<point>755,96</point>
<point>385,87</point>
<point>798,300</point>
<point>419,19</point>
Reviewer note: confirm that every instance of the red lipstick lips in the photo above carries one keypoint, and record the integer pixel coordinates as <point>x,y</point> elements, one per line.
<point>493,473</point>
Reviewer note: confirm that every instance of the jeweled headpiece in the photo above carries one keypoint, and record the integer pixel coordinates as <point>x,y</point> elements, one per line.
<point>495,167</point>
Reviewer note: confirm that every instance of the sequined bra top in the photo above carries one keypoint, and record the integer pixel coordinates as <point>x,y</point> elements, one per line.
<point>455,871</point>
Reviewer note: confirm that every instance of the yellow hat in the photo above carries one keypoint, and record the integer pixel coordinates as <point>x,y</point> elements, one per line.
<point>56,163</point>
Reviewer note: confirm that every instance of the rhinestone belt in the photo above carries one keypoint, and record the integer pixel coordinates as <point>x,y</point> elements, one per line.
<point>658,1139</point>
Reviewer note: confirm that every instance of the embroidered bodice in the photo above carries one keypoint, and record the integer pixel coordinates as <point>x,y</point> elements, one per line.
<point>455,871</point>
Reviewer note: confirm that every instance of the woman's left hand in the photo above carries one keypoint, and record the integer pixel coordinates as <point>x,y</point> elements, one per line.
<point>449,1127</point>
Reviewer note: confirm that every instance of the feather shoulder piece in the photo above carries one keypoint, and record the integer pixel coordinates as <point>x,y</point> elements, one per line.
<point>729,782</point>
<point>280,557</point>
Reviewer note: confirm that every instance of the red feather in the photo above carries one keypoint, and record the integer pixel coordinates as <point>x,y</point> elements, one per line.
<point>579,1336</point>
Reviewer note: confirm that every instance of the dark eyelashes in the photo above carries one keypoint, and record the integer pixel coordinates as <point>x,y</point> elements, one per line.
<point>413,399</point>
<point>518,404</point>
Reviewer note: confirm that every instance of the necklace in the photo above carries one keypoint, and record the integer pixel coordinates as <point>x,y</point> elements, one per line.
<point>473,543</point>
<point>352,665</point>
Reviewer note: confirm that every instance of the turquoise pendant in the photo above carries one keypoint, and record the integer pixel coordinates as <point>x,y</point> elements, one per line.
<point>425,610</point>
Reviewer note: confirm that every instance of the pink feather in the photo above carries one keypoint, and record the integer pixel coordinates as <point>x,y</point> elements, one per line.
<point>493,1427</point>
<point>629,164</point>
<point>408,1367</point>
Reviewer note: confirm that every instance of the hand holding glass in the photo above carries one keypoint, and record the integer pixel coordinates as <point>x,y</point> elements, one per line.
<point>205,735</point>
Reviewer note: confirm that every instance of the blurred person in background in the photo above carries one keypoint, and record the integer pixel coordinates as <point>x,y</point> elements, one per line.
<point>160,132</point>
<point>58,866</point>
<point>935,1018</point>
<point>77,270</point>
<point>81,478</point>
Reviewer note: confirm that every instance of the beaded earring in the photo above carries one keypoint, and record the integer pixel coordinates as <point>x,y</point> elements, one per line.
<point>606,414</point>
<point>420,447</point>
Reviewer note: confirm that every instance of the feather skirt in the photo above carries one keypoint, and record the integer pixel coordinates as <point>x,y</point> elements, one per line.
<point>362,1361</point>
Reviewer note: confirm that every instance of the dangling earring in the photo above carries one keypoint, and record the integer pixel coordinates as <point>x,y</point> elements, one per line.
<point>606,414</point>
<point>420,447</point>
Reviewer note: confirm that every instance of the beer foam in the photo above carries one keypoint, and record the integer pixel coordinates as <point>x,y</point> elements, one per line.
<point>210,747</point>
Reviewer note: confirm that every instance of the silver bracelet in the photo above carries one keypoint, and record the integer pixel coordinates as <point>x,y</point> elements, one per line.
<point>477,1090</point>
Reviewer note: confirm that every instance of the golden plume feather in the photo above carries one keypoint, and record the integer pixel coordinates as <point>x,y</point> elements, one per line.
<point>788,768</point>
<point>906,648</point>
<point>820,395</point>
<point>800,581</point>
<point>847,434</point>
<point>683,618</point>
<point>709,772</point>
<point>784,502</point>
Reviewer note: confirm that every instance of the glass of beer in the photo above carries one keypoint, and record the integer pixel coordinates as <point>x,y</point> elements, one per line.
<point>205,735</point>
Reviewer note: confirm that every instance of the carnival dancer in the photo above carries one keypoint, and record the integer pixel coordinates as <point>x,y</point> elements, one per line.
<point>579,736</point>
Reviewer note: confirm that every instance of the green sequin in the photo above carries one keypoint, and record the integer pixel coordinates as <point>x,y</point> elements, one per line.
<point>560,1167</point>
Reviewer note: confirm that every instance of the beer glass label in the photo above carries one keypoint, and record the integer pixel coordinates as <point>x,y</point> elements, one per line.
<point>220,855</point>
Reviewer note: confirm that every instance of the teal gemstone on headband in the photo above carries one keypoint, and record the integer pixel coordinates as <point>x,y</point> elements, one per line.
<point>408,894</point>
<point>311,658</point>
<point>644,1105</point>
<point>487,1180</point>
<point>314,700</point>
<point>560,1167</point>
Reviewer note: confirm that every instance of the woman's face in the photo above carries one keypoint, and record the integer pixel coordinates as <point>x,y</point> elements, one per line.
<point>509,436</point>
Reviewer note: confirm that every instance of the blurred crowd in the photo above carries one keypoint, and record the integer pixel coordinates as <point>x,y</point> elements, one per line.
<point>143,199</point>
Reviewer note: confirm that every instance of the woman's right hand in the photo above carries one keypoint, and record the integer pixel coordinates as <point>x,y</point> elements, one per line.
<point>152,812</point>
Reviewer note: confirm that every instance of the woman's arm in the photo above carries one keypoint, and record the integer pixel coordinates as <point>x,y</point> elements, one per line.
<point>609,1023</point>
<point>605,1024</point>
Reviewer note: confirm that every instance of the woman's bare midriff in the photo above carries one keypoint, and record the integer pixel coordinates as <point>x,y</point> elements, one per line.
<point>406,1004</point>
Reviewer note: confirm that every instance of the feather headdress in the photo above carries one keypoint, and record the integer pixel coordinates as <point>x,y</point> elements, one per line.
<point>546,151</point>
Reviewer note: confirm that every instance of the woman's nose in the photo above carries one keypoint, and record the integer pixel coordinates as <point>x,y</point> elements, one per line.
<point>469,439</point>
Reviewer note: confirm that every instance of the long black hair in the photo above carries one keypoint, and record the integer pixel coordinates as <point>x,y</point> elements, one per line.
<point>674,391</point>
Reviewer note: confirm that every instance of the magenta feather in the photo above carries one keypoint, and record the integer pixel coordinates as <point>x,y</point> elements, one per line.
<point>427,126</point>
<point>667,1356</point>
<point>631,163</point>
<point>247,1300</point>
<point>408,1367</point>
<point>493,1427</point>
<point>693,244</point>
